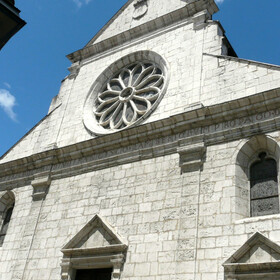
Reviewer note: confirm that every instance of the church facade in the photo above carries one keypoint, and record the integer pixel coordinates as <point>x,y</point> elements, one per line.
<point>157,160</point>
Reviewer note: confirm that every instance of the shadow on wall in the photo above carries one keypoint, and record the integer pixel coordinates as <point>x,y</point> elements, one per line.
<point>248,157</point>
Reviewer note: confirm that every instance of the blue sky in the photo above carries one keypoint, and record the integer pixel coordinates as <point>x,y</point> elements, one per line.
<point>33,63</point>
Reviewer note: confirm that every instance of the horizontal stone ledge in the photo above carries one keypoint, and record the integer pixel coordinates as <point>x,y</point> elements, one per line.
<point>110,250</point>
<point>93,163</point>
<point>41,181</point>
<point>99,152</point>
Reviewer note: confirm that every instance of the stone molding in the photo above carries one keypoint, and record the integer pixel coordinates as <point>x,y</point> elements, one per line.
<point>136,41</point>
<point>152,140</point>
<point>112,255</point>
<point>92,116</point>
<point>235,268</point>
<point>40,186</point>
<point>7,199</point>
<point>96,220</point>
<point>192,156</point>
<point>246,61</point>
<point>192,5</point>
<point>74,70</point>
<point>164,21</point>
<point>200,19</point>
<point>69,265</point>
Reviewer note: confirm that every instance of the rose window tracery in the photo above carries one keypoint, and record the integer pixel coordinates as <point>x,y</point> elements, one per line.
<point>126,93</point>
<point>129,95</point>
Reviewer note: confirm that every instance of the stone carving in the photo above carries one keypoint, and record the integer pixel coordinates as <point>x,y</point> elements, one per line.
<point>141,8</point>
<point>129,95</point>
<point>126,93</point>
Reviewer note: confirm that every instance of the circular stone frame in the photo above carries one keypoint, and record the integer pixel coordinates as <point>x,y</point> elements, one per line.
<point>89,118</point>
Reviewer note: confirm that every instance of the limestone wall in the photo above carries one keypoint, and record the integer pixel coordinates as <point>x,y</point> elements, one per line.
<point>195,78</point>
<point>182,48</point>
<point>173,223</point>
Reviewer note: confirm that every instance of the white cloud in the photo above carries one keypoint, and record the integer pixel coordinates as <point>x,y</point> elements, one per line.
<point>79,3</point>
<point>7,103</point>
<point>7,85</point>
<point>219,1</point>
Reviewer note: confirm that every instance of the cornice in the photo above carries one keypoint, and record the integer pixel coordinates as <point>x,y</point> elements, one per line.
<point>247,61</point>
<point>197,4</point>
<point>215,124</point>
<point>178,15</point>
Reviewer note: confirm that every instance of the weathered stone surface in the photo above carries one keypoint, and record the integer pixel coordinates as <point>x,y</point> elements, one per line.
<point>174,190</point>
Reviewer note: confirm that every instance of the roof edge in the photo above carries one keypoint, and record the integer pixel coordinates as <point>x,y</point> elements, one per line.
<point>188,2</point>
<point>26,134</point>
<point>163,21</point>
<point>254,239</point>
<point>109,22</point>
<point>263,64</point>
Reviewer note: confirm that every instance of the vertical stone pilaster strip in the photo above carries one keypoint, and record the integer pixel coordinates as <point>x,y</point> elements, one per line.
<point>40,189</point>
<point>27,240</point>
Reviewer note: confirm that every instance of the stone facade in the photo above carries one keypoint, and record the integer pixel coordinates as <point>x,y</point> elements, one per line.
<point>168,196</point>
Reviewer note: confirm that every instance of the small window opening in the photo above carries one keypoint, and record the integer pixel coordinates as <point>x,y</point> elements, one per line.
<point>5,224</point>
<point>264,187</point>
<point>94,274</point>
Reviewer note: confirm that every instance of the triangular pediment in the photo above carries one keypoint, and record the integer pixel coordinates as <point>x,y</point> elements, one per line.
<point>96,234</point>
<point>138,12</point>
<point>258,249</point>
<point>96,245</point>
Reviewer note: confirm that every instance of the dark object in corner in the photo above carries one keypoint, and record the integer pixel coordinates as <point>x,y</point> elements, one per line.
<point>10,21</point>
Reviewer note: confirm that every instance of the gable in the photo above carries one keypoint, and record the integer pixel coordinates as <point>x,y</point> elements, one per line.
<point>95,234</point>
<point>96,245</point>
<point>137,12</point>
<point>235,78</point>
<point>258,249</point>
<point>97,237</point>
<point>260,253</point>
<point>38,138</point>
<point>258,258</point>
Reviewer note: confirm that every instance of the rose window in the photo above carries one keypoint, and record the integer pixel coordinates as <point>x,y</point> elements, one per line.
<point>129,95</point>
<point>126,93</point>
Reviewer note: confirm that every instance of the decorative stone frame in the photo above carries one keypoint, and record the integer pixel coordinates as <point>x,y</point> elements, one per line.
<point>248,154</point>
<point>7,200</point>
<point>91,259</point>
<point>111,256</point>
<point>236,268</point>
<point>145,56</point>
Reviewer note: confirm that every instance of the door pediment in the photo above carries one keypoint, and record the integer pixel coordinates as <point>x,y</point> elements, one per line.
<point>258,258</point>
<point>96,246</point>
